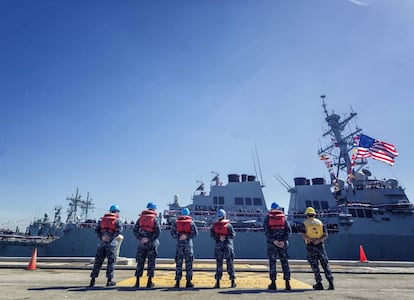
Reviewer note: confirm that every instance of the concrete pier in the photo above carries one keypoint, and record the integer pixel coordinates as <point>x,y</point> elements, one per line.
<point>67,278</point>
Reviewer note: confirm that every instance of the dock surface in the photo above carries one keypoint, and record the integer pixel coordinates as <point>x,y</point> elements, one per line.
<point>67,278</point>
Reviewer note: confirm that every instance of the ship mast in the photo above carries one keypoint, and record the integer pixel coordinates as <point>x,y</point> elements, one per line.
<point>345,143</point>
<point>75,204</point>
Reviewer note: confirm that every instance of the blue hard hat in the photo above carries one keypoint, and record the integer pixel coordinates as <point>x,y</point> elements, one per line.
<point>185,211</point>
<point>151,205</point>
<point>114,208</point>
<point>221,213</point>
<point>274,205</point>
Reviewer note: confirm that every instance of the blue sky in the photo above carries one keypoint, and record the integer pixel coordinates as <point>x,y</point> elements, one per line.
<point>134,101</point>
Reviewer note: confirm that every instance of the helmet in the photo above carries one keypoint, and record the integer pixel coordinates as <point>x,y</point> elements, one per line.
<point>221,213</point>
<point>151,205</point>
<point>185,211</point>
<point>114,208</point>
<point>274,205</point>
<point>310,211</point>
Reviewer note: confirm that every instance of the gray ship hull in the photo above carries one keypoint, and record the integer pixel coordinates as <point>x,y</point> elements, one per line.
<point>82,242</point>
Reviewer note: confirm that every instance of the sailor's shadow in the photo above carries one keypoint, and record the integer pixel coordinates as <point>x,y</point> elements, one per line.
<point>134,289</point>
<point>96,288</point>
<point>69,288</point>
<point>257,291</point>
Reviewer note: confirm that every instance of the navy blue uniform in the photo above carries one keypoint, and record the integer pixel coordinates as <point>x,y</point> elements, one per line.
<point>316,252</point>
<point>185,251</point>
<point>147,250</point>
<point>282,235</point>
<point>224,250</point>
<point>106,249</point>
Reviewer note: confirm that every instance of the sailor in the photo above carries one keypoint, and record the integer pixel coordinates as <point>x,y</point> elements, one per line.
<point>147,230</point>
<point>314,233</point>
<point>109,227</point>
<point>223,233</point>
<point>278,232</point>
<point>184,230</point>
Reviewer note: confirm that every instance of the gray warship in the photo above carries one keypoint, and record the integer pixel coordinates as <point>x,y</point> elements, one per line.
<point>358,210</point>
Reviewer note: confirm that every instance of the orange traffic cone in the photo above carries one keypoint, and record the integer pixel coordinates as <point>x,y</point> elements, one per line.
<point>362,256</point>
<point>33,260</point>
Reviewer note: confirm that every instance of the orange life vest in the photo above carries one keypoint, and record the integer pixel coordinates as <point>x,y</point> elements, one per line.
<point>221,227</point>
<point>184,224</point>
<point>108,222</point>
<point>147,220</point>
<point>277,219</point>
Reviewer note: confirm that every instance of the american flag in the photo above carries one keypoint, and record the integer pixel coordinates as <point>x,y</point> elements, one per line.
<point>369,147</point>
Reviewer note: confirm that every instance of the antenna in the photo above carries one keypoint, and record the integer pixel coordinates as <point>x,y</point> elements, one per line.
<point>260,169</point>
<point>324,105</point>
<point>282,182</point>
<point>254,164</point>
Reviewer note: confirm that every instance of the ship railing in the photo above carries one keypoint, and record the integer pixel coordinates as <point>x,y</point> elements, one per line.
<point>32,238</point>
<point>86,225</point>
<point>374,184</point>
<point>173,213</point>
<point>400,204</point>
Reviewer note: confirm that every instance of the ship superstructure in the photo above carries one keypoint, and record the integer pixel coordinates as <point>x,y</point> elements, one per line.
<point>358,209</point>
<point>242,198</point>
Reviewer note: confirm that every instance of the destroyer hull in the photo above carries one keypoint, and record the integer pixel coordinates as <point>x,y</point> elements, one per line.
<point>248,245</point>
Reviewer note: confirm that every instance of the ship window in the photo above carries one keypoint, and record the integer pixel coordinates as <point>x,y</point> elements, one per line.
<point>221,200</point>
<point>316,205</point>
<point>257,201</point>
<point>368,213</point>
<point>248,201</point>
<point>360,213</point>
<point>308,203</point>
<point>352,212</point>
<point>238,201</point>
<point>215,200</point>
<point>324,204</point>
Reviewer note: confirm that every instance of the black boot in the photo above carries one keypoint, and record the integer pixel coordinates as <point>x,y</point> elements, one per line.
<point>92,282</point>
<point>137,282</point>
<point>177,284</point>
<point>318,286</point>
<point>287,285</point>
<point>110,282</point>
<point>217,286</point>
<point>272,285</point>
<point>331,285</point>
<point>189,284</point>
<point>149,283</point>
<point>233,283</point>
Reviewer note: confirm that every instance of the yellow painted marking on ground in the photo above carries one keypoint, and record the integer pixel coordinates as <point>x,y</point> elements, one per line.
<point>202,279</point>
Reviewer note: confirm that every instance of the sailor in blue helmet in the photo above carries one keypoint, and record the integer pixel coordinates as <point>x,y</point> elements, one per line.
<point>223,233</point>
<point>278,232</point>
<point>314,233</point>
<point>147,230</point>
<point>184,230</point>
<point>107,229</point>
